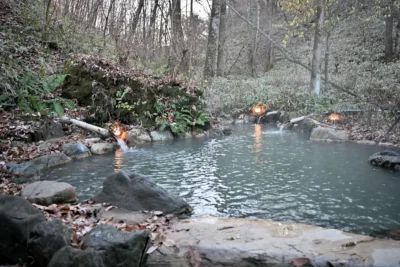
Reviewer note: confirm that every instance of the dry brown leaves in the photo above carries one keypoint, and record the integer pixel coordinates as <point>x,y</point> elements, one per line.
<point>112,71</point>
<point>6,186</point>
<point>81,218</point>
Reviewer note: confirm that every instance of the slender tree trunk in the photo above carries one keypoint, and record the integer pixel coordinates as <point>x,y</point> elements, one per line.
<point>222,40</point>
<point>397,40</point>
<point>136,18</point>
<point>212,45</point>
<point>179,55</point>
<point>326,68</point>
<point>152,27</point>
<point>267,9</point>
<point>389,32</point>
<point>47,19</point>
<point>317,50</point>
<point>106,22</point>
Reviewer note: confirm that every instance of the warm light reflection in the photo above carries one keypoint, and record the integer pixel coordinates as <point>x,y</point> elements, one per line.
<point>334,117</point>
<point>258,143</point>
<point>117,164</point>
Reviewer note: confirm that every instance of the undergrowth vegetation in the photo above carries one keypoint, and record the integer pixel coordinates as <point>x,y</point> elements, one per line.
<point>32,55</point>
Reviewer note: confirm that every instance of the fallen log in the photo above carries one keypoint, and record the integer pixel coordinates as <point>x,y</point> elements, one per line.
<point>89,127</point>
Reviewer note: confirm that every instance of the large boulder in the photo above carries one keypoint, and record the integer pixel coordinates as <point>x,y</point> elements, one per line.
<point>24,172</point>
<point>49,192</point>
<point>161,135</point>
<point>51,160</point>
<point>31,170</point>
<point>117,248</point>
<point>304,126</point>
<point>17,219</point>
<point>138,135</point>
<point>72,257</point>
<point>76,150</point>
<point>103,148</point>
<point>136,192</point>
<point>46,130</point>
<point>328,134</point>
<point>388,159</point>
<point>46,239</point>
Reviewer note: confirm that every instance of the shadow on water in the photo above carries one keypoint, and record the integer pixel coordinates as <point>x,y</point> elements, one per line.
<point>262,173</point>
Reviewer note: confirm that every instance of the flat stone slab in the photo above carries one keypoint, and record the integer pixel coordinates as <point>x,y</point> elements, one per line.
<point>242,242</point>
<point>49,192</point>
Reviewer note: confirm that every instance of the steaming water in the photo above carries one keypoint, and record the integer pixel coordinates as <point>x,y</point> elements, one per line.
<point>259,173</point>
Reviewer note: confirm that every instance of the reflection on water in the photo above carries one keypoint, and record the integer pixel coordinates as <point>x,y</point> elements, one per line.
<point>259,173</point>
<point>258,143</point>
<point>117,164</point>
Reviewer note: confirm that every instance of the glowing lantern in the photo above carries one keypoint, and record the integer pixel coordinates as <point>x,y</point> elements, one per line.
<point>333,117</point>
<point>259,109</point>
<point>118,131</point>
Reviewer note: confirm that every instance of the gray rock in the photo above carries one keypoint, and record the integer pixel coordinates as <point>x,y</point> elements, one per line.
<point>144,138</point>
<point>103,148</point>
<point>328,134</point>
<point>271,117</point>
<point>386,144</point>
<point>388,159</point>
<point>138,135</point>
<point>49,192</point>
<point>305,127</point>
<point>31,170</point>
<point>199,135</point>
<point>17,218</point>
<point>47,130</point>
<point>24,172</point>
<point>136,192</point>
<point>366,142</point>
<point>46,239</point>
<point>161,135</point>
<point>43,145</point>
<point>76,150</point>
<point>226,130</point>
<point>247,243</point>
<point>117,248</point>
<point>72,257</point>
<point>238,122</point>
<point>51,160</point>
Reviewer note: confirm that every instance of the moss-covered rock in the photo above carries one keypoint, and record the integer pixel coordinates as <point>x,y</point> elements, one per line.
<point>127,95</point>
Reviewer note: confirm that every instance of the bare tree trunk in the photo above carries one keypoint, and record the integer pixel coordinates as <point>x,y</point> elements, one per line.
<point>47,19</point>
<point>222,40</point>
<point>389,32</point>
<point>397,40</point>
<point>317,50</point>
<point>326,68</point>
<point>136,18</point>
<point>106,23</point>
<point>267,9</point>
<point>178,56</point>
<point>152,28</point>
<point>212,45</point>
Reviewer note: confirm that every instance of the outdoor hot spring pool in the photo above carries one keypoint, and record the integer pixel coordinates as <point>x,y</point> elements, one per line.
<point>259,172</point>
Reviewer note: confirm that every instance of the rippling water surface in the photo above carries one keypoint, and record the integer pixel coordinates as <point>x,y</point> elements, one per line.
<point>261,173</point>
